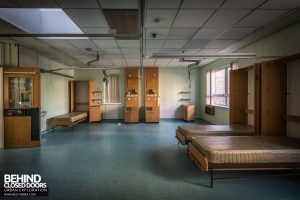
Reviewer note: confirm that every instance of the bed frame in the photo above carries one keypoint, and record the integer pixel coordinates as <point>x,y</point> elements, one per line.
<point>181,138</point>
<point>66,120</point>
<point>202,162</point>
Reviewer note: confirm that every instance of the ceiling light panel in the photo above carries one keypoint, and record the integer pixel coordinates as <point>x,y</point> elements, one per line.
<point>236,33</point>
<point>196,44</point>
<point>226,17</point>
<point>192,17</point>
<point>281,4</point>
<point>87,17</point>
<point>238,4</point>
<point>208,33</point>
<point>163,4</point>
<point>174,43</point>
<point>201,4</point>
<point>117,4</point>
<point>35,3</point>
<point>260,17</point>
<point>165,17</point>
<point>78,3</point>
<point>181,33</point>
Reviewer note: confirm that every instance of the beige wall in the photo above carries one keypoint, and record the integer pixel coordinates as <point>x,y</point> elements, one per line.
<point>1,110</point>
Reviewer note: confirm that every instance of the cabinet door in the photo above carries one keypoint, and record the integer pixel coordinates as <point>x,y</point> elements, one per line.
<point>95,114</point>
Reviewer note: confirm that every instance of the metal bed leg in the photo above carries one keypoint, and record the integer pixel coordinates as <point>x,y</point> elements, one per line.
<point>211,178</point>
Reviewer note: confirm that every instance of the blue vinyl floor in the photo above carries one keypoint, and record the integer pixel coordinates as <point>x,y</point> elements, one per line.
<point>133,161</point>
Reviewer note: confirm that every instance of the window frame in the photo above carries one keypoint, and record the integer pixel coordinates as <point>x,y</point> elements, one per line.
<point>210,95</point>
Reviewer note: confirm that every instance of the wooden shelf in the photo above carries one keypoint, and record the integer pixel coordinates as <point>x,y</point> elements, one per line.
<point>184,92</point>
<point>184,99</point>
<point>96,99</point>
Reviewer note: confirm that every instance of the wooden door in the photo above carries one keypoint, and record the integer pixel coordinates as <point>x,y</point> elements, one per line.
<point>273,98</point>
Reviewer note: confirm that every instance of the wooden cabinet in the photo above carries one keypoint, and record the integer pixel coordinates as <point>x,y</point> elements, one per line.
<point>95,114</point>
<point>188,112</point>
<point>152,111</point>
<point>131,115</point>
<point>152,114</point>
<point>22,126</point>
<point>131,111</point>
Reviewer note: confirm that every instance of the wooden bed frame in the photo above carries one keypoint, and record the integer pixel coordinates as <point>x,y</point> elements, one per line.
<point>202,162</point>
<point>66,121</point>
<point>181,138</point>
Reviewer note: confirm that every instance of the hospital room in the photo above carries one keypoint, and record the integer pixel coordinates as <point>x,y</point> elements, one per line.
<point>150,99</point>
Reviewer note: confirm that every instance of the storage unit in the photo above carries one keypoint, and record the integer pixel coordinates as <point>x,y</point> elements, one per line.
<point>22,119</point>
<point>86,96</point>
<point>131,112</point>
<point>244,99</point>
<point>188,112</point>
<point>152,110</point>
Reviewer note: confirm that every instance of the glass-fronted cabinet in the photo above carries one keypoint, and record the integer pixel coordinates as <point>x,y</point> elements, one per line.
<point>21,107</point>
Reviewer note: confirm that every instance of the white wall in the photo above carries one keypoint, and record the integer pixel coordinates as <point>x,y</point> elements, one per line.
<point>293,99</point>
<point>1,110</point>
<point>172,81</point>
<point>54,91</point>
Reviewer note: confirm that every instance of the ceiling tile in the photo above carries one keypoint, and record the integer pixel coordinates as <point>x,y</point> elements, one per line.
<point>169,50</point>
<point>111,51</point>
<point>148,61</point>
<point>161,33</point>
<point>132,56</point>
<point>165,16</point>
<point>209,50</point>
<point>174,43</point>
<point>281,4</point>
<point>7,4</point>
<point>260,17</point>
<point>181,33</point>
<point>162,61</point>
<point>87,17</point>
<point>129,43</point>
<point>149,52</point>
<point>153,44</point>
<point>192,17</point>
<point>106,43</point>
<point>36,4</point>
<point>196,44</point>
<point>130,51</point>
<point>226,17</point>
<point>117,4</point>
<point>59,44</point>
<point>112,56</point>
<point>242,4</point>
<point>78,3</point>
<point>81,44</point>
<point>236,33</point>
<point>208,33</point>
<point>219,44</point>
<point>163,4</point>
<point>201,3</point>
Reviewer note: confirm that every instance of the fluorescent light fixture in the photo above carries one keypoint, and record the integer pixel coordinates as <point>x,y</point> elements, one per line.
<point>216,55</point>
<point>40,21</point>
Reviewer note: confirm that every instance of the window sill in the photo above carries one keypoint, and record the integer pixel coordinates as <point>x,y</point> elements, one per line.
<point>112,104</point>
<point>218,106</point>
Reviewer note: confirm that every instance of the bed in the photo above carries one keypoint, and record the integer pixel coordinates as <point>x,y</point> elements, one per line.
<point>69,119</point>
<point>185,133</point>
<point>245,152</point>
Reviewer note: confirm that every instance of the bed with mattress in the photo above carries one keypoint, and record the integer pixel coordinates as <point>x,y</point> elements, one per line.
<point>69,119</point>
<point>245,152</point>
<point>185,133</point>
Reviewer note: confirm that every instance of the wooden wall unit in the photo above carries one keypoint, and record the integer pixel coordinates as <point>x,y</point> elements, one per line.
<point>245,96</point>
<point>131,112</point>
<point>273,98</point>
<point>22,126</point>
<point>86,96</point>
<point>152,110</point>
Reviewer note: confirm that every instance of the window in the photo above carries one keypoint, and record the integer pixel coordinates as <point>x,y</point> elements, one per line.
<point>112,90</point>
<point>217,86</point>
